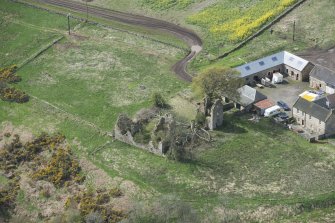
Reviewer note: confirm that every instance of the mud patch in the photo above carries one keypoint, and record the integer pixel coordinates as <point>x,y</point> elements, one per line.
<point>325,58</point>
<point>62,47</point>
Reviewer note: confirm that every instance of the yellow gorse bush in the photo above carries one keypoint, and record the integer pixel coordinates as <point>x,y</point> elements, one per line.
<point>236,22</point>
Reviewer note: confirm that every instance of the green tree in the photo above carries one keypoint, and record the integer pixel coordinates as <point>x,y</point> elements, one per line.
<point>159,101</point>
<point>217,82</point>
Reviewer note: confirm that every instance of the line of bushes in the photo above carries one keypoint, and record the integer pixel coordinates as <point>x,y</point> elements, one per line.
<point>11,94</point>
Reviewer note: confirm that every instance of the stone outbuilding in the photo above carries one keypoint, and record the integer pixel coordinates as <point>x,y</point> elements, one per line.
<point>247,97</point>
<point>322,78</point>
<point>283,62</point>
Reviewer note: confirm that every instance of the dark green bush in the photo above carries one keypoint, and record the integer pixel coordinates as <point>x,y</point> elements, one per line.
<point>159,101</point>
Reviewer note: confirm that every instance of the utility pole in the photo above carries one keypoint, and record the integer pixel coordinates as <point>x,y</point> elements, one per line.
<point>86,11</point>
<point>68,23</point>
<point>86,3</point>
<point>294,30</point>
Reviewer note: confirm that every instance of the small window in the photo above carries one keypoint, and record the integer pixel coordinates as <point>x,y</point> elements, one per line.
<point>261,63</point>
<point>274,58</point>
<point>298,111</point>
<point>310,117</point>
<point>247,68</point>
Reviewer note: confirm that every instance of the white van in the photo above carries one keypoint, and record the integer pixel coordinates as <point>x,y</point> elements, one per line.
<point>274,110</point>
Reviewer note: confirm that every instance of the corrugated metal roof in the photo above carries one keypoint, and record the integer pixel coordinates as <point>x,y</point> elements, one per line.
<point>264,104</point>
<point>273,60</point>
<point>249,95</point>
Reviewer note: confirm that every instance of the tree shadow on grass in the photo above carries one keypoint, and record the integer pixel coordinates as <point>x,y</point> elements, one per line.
<point>265,126</point>
<point>230,125</point>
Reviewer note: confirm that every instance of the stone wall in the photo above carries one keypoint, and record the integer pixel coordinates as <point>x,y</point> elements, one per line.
<point>125,130</point>
<point>317,84</point>
<point>216,115</point>
<point>310,123</point>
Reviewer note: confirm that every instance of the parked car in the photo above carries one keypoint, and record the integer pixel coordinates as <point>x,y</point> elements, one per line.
<point>283,115</point>
<point>272,111</point>
<point>283,105</point>
<point>320,92</point>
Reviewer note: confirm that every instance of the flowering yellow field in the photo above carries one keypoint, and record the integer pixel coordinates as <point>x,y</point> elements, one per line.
<point>236,20</point>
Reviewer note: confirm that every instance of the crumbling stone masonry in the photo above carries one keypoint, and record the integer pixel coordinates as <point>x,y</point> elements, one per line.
<point>126,129</point>
<point>215,119</point>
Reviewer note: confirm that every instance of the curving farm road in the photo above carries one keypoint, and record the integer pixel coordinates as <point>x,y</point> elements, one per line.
<point>192,39</point>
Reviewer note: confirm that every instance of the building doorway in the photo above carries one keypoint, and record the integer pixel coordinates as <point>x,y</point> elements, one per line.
<point>256,78</point>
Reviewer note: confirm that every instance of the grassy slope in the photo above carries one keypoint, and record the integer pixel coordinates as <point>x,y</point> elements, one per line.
<point>238,171</point>
<point>98,74</point>
<point>24,32</point>
<point>155,35</point>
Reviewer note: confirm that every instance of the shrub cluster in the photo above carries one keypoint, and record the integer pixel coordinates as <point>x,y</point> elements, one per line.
<point>15,153</point>
<point>8,196</point>
<point>13,95</point>
<point>7,75</point>
<point>98,202</point>
<point>60,169</point>
<point>159,101</point>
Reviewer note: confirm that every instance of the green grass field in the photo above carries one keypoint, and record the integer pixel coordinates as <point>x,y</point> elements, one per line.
<point>98,74</point>
<point>24,33</point>
<point>252,172</point>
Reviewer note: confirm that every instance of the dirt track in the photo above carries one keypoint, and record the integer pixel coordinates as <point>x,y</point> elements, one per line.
<point>192,39</point>
<point>325,58</point>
